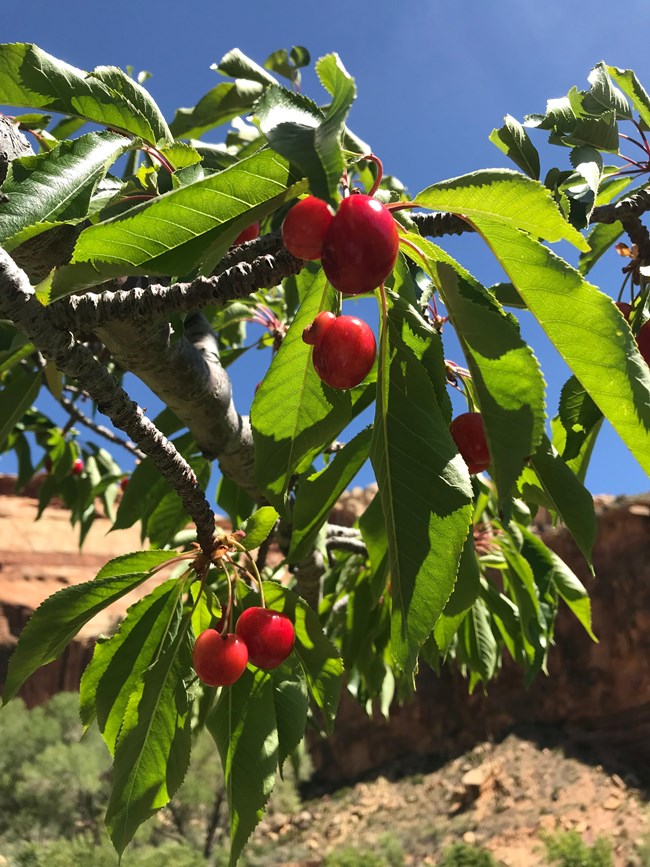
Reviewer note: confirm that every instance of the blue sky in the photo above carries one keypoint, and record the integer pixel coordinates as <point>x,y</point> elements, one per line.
<point>434,77</point>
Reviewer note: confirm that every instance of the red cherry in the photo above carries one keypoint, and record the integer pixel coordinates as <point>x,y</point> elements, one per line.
<point>469,435</point>
<point>305,226</point>
<point>77,467</point>
<point>249,233</point>
<point>361,245</point>
<point>219,661</point>
<point>643,342</point>
<point>625,309</point>
<point>313,333</point>
<point>124,482</point>
<point>344,352</point>
<point>269,636</point>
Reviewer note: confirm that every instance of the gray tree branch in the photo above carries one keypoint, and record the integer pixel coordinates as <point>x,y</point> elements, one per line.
<point>154,303</point>
<point>19,304</point>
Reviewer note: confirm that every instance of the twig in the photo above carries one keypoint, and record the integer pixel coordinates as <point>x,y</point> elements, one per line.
<point>99,429</point>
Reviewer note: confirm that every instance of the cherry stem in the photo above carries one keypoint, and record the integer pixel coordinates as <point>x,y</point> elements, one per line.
<point>623,285</point>
<point>228,614</point>
<point>155,153</point>
<point>256,573</point>
<point>187,555</point>
<point>633,141</point>
<point>380,172</point>
<point>400,206</point>
<point>630,161</point>
<point>413,246</point>
<point>643,136</point>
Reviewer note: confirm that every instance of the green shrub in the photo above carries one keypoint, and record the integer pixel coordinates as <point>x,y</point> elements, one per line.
<point>568,849</point>
<point>464,855</point>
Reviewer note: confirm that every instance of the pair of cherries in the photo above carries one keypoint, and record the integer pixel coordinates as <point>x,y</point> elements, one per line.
<point>358,247</point>
<point>262,637</point>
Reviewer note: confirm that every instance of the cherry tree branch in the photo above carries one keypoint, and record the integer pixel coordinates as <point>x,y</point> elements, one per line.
<point>83,313</point>
<point>19,304</point>
<point>99,429</point>
<point>438,225</point>
<point>628,211</point>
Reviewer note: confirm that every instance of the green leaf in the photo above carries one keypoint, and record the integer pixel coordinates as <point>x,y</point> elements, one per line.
<point>507,197</point>
<point>139,561</point>
<point>568,496</point>
<point>602,96</point>
<point>599,132</point>
<point>169,515</point>
<point>291,703</point>
<point>515,143</point>
<point>578,415</point>
<point>580,462</point>
<point>483,644</point>
<point>56,187</point>
<point>550,570</point>
<point>632,87</point>
<point>33,78</point>
<point>586,329</point>
<point>135,96</point>
<point>464,595</point>
<point>153,748</point>
<point>294,414</point>
<point>218,106</point>
<point>319,658</point>
<point>288,63</point>
<point>237,65</point>
<point>296,128</point>
<point>120,661</point>
<point>425,495</point>
<point>600,238</point>
<point>373,533</point>
<point>505,373</point>
<point>16,398</point>
<point>244,729</point>
<point>188,226</point>
<point>145,489</point>
<point>318,493</point>
<point>258,527</point>
<point>423,341</point>
<point>56,622</point>
<point>235,502</point>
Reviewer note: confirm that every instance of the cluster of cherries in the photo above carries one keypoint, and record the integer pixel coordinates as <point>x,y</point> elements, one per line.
<point>358,248</point>
<point>262,637</point>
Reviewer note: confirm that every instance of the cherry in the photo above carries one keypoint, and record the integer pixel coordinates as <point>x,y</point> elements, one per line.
<point>219,660</point>
<point>314,332</point>
<point>249,233</point>
<point>469,435</point>
<point>625,309</point>
<point>77,467</point>
<point>643,342</point>
<point>361,245</point>
<point>305,226</point>
<point>269,636</point>
<point>344,349</point>
<point>124,482</point>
